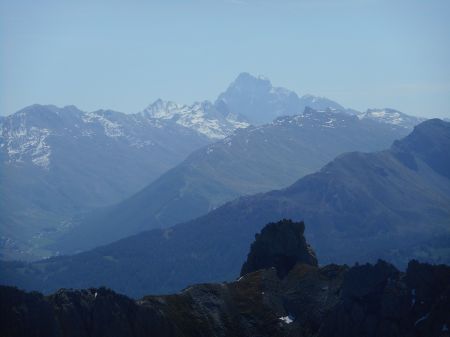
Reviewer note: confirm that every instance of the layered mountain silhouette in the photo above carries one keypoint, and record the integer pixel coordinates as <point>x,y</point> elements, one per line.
<point>260,102</point>
<point>255,159</point>
<point>57,162</point>
<point>393,204</point>
<point>281,292</point>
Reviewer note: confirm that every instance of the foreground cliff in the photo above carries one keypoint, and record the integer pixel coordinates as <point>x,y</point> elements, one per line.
<point>292,296</point>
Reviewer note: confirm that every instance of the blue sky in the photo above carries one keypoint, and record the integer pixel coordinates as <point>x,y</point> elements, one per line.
<point>123,55</point>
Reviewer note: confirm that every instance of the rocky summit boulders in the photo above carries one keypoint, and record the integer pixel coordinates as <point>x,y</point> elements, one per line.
<point>280,245</point>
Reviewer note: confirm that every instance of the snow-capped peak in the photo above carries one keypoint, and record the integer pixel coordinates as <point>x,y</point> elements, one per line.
<point>391,116</point>
<point>22,139</point>
<point>202,117</point>
<point>30,134</point>
<point>246,82</point>
<point>162,109</point>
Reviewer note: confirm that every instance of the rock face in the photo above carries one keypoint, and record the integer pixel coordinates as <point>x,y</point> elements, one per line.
<point>368,300</point>
<point>280,245</point>
<point>378,300</point>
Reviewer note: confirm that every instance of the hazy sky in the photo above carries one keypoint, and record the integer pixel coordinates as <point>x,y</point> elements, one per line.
<point>124,54</point>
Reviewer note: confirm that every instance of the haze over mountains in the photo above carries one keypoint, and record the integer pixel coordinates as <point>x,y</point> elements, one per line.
<point>59,163</point>
<point>393,204</point>
<point>256,159</point>
<point>145,191</point>
<point>261,103</point>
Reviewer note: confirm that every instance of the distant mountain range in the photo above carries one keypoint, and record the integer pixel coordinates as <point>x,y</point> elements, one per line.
<point>390,116</point>
<point>214,122</point>
<point>260,102</point>
<point>255,159</point>
<point>57,162</point>
<point>393,204</point>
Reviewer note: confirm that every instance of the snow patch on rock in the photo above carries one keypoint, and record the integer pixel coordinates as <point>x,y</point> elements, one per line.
<point>111,128</point>
<point>287,319</point>
<point>22,142</point>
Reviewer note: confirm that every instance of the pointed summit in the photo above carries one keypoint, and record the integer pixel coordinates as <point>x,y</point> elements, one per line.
<point>161,109</point>
<point>248,82</point>
<point>257,100</point>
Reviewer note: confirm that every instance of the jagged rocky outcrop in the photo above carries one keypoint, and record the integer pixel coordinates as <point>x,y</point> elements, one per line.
<point>280,245</point>
<point>366,300</point>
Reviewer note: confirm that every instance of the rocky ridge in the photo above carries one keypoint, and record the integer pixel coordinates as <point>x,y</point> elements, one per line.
<point>366,300</point>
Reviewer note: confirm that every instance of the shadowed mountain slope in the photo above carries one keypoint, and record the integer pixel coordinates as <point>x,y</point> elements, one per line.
<point>393,204</point>
<point>57,164</point>
<point>257,159</point>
